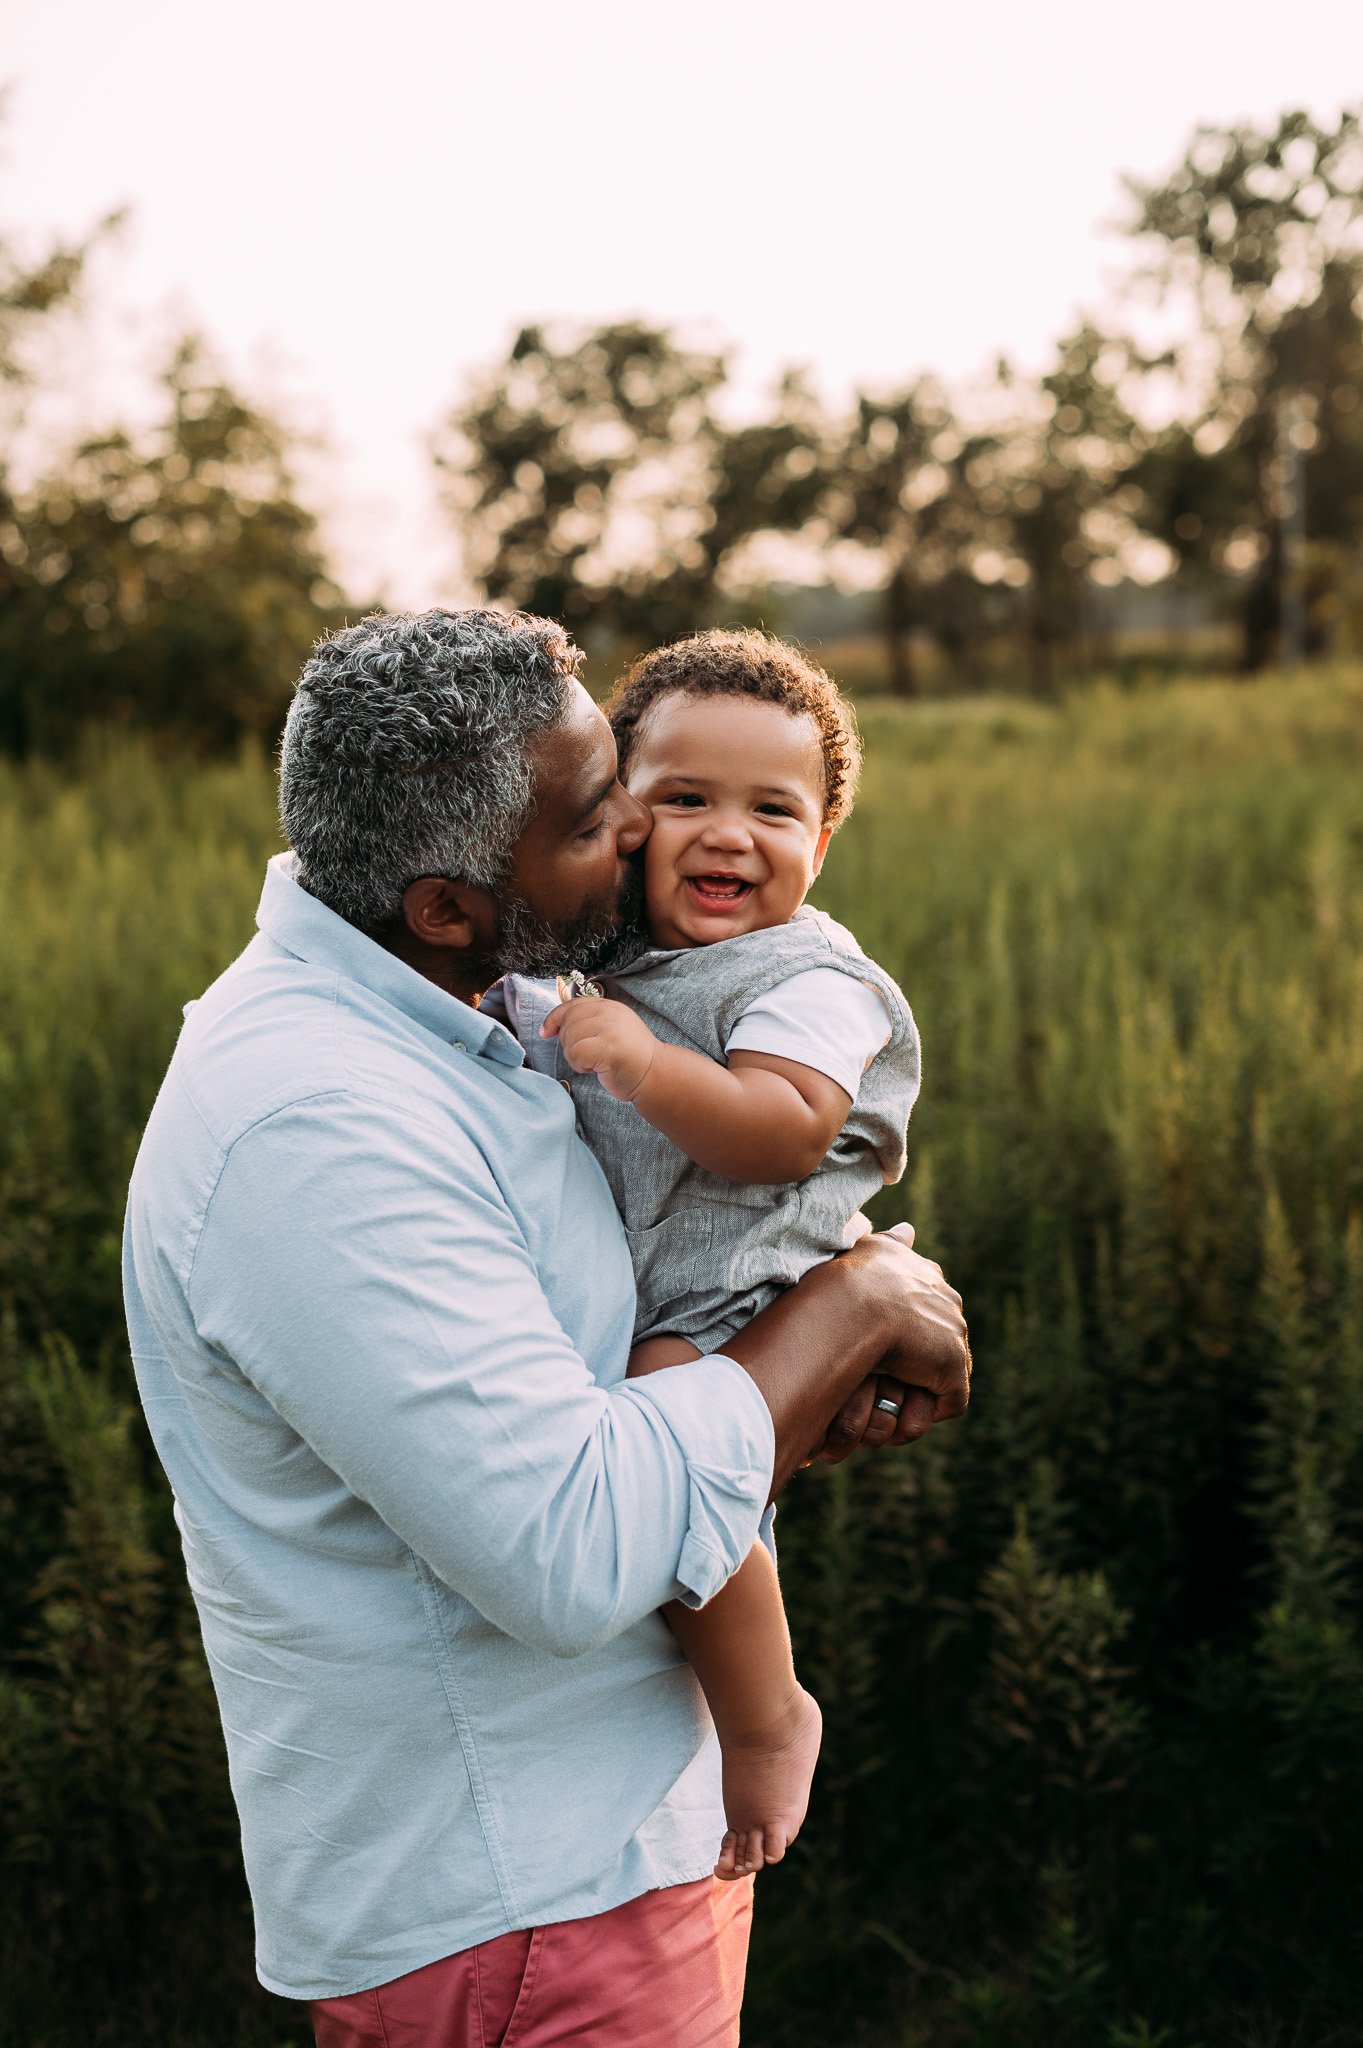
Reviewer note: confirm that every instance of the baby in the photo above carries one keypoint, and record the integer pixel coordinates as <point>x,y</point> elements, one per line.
<point>745,1086</point>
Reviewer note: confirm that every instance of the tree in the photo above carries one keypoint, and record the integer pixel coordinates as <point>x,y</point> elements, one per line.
<point>1058,479</point>
<point>173,580</point>
<point>992,512</point>
<point>1261,233</point>
<point>30,292</point>
<point>591,478</point>
<point>899,491</point>
<point>31,295</point>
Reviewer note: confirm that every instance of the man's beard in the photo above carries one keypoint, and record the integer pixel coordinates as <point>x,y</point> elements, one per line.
<point>601,939</point>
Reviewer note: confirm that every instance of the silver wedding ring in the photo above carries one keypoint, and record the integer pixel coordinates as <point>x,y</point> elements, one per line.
<point>887,1406</point>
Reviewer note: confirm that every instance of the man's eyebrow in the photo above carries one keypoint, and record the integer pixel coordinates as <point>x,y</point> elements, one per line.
<point>596,802</point>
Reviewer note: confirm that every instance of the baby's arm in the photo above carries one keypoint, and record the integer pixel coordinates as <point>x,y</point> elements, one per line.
<point>759,1119</point>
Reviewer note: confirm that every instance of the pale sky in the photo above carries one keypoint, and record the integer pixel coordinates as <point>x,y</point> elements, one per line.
<point>361,202</point>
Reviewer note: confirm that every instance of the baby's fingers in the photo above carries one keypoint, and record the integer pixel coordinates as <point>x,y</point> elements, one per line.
<point>553,1023</point>
<point>584,1052</point>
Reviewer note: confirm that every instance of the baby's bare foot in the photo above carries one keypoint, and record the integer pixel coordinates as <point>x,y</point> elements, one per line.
<point>766,1788</point>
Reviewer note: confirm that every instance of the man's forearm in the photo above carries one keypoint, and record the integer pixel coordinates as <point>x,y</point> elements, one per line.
<point>808,1352</point>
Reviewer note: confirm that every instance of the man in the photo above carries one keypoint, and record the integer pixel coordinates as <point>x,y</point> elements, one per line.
<point>380,1307</point>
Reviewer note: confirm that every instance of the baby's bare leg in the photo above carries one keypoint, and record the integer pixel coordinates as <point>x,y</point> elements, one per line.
<point>768,1725</point>
<point>738,1645</point>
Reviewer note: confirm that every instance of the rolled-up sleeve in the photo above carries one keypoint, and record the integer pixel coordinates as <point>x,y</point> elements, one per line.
<point>386,1305</point>
<point>713,1402</point>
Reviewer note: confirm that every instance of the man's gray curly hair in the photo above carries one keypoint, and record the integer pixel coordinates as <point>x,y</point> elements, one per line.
<point>405,752</point>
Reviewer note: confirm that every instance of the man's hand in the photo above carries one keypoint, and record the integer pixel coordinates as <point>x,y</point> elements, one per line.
<point>877,1311</point>
<point>862,1424</point>
<point>606,1039</point>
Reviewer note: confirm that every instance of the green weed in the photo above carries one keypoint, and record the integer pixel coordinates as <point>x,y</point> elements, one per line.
<point>1090,1658</point>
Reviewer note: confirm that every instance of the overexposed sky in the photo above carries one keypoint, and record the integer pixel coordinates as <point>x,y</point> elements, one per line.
<point>360,202</point>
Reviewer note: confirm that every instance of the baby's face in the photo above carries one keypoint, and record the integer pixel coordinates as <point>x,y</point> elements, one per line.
<point>736,791</point>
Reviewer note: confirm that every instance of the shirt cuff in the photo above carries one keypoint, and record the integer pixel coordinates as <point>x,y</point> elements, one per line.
<point>725,1433</point>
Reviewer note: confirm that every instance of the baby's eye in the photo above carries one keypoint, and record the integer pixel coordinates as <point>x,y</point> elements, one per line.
<point>775,810</point>
<point>688,798</point>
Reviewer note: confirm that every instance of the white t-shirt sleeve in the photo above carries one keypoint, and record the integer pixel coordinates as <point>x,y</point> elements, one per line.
<point>822,1018</point>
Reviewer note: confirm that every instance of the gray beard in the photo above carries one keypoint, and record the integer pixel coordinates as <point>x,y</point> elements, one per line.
<point>600,940</point>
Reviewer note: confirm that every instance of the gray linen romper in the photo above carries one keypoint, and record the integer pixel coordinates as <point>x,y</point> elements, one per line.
<point>709,1253</point>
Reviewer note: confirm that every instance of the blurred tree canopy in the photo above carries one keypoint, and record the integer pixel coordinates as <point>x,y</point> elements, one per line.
<point>1006,523</point>
<point>32,294</point>
<point>899,488</point>
<point>1261,231</point>
<point>1062,475</point>
<point>595,475</point>
<point>170,579</point>
<point>173,576</point>
<point>591,478</point>
<point>28,291</point>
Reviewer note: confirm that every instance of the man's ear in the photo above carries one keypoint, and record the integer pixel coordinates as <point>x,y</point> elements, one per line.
<point>822,847</point>
<point>443,913</point>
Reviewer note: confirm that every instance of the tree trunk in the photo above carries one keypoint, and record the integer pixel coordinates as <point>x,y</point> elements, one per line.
<point>898,645</point>
<point>1259,615</point>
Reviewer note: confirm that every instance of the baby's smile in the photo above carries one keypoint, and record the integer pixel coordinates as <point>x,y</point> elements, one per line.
<point>718,888</point>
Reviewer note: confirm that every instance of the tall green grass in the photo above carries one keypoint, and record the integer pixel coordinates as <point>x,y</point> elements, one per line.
<point>1090,1658</point>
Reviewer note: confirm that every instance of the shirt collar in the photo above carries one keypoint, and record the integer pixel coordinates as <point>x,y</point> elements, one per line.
<point>307,929</point>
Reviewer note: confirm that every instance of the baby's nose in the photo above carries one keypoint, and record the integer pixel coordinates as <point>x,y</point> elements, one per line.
<point>727,828</point>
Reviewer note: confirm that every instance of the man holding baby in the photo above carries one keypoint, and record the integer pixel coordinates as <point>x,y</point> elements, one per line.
<point>381,1307</point>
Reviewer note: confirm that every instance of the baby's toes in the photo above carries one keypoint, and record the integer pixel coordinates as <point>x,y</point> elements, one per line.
<point>775,1842</point>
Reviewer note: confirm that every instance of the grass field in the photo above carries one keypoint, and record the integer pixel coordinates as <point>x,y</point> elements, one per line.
<point>1090,1660</point>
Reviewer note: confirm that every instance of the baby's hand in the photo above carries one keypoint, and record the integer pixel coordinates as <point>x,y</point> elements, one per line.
<point>606,1039</point>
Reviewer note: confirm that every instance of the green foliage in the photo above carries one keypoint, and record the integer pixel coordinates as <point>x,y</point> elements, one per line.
<point>593,480</point>
<point>169,578</point>
<point>1114,1653</point>
<point>1054,1707</point>
<point>1090,1659</point>
<point>993,528</point>
<point>594,474</point>
<point>1258,229</point>
<point>119,1863</point>
<point>30,292</point>
<point>172,580</point>
<point>902,489</point>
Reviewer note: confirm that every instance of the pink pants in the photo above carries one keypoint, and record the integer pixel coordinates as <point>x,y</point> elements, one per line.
<point>662,1971</point>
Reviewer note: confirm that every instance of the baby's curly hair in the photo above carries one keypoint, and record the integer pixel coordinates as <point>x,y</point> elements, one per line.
<point>744,664</point>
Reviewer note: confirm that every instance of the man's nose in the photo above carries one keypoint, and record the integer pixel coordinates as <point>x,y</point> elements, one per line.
<point>635,825</point>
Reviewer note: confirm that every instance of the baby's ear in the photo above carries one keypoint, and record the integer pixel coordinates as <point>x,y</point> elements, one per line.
<point>821,847</point>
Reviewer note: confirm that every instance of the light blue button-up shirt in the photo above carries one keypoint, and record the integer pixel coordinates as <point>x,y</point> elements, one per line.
<point>380,1306</point>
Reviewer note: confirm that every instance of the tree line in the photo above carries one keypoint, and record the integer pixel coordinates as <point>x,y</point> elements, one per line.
<point>173,577</point>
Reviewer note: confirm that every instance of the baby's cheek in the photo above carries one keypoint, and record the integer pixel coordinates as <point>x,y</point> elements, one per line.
<point>660,868</point>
